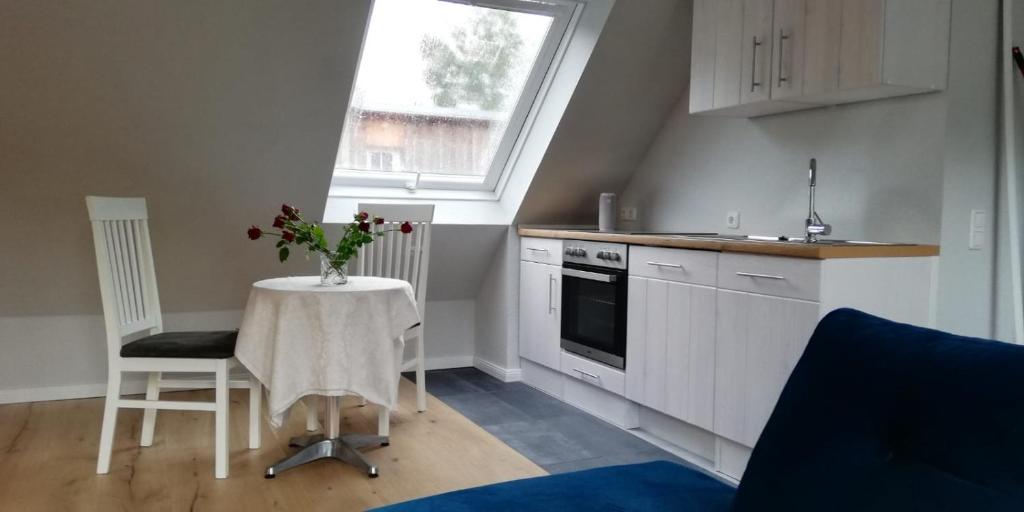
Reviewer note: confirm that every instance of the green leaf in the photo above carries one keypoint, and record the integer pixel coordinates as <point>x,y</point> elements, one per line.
<point>283,254</point>
<point>282,243</point>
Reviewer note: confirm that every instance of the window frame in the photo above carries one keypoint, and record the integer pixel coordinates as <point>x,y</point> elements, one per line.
<point>530,97</point>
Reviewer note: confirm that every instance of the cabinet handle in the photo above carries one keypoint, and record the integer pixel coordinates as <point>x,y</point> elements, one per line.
<point>588,374</point>
<point>754,84</point>
<point>669,265</point>
<point>760,276</point>
<point>782,41</point>
<point>551,300</point>
<point>534,249</point>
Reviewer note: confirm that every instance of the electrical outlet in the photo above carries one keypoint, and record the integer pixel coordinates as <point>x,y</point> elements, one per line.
<point>627,213</point>
<point>732,220</point>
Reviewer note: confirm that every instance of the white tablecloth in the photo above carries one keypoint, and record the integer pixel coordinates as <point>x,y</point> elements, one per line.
<point>300,338</point>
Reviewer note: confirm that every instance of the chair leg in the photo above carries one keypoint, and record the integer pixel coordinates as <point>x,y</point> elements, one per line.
<point>109,422</point>
<point>220,449</point>
<point>149,417</point>
<point>383,421</point>
<point>255,397</point>
<point>421,376</point>
<point>312,411</point>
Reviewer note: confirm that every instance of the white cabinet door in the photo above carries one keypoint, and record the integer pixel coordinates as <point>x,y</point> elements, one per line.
<point>671,349</point>
<point>758,342</point>
<point>756,65</point>
<point>728,52</point>
<point>540,293</point>
<point>822,20</point>
<point>788,49</point>
<point>702,57</point>
<point>861,38</point>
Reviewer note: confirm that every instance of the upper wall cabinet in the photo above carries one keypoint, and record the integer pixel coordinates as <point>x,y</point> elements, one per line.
<point>757,57</point>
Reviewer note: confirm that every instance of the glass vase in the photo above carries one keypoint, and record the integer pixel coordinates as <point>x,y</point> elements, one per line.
<point>331,274</point>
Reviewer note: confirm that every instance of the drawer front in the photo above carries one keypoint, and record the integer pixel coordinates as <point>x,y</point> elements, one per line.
<point>541,250</point>
<point>681,265</point>
<point>794,278</point>
<point>593,373</point>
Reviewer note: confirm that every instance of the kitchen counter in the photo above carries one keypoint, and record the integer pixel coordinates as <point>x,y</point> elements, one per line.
<point>789,249</point>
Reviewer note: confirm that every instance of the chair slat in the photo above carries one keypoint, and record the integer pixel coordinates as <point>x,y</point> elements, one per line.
<point>129,266</point>
<point>406,256</point>
<point>115,271</point>
<point>417,247</point>
<point>141,270</point>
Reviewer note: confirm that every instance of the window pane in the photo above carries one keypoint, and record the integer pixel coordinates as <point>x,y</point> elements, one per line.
<point>437,85</point>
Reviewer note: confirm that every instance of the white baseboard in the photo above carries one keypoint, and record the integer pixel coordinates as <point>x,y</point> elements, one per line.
<point>498,372</point>
<point>16,396</point>
<point>444,363</point>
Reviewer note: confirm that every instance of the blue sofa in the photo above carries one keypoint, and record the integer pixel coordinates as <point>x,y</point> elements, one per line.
<point>877,416</point>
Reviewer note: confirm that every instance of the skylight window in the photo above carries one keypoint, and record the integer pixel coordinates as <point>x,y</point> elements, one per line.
<point>444,89</point>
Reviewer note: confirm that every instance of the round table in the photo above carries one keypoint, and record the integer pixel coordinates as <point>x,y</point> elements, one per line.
<point>301,338</point>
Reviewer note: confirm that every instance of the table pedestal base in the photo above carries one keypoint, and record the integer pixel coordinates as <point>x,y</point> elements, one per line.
<point>316,447</point>
<point>332,446</point>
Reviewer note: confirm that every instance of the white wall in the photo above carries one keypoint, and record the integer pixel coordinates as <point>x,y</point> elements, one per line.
<point>879,171</point>
<point>966,300</point>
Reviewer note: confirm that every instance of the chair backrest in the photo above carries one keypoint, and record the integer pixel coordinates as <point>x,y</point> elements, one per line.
<point>879,415</point>
<point>399,256</point>
<point>124,262</point>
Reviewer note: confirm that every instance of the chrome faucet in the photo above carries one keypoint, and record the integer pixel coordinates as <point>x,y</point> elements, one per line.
<point>814,225</point>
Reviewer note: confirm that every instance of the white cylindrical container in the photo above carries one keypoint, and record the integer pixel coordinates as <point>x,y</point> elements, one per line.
<point>606,212</point>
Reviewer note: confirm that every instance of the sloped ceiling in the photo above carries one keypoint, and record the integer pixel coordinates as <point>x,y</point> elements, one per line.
<point>636,75</point>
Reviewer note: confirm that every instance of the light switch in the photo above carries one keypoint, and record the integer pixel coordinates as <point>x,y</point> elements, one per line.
<point>976,236</point>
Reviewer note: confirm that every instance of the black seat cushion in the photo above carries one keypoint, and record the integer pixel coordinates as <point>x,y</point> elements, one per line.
<point>199,345</point>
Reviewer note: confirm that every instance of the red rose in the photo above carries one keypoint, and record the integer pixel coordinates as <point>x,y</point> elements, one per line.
<point>288,235</point>
<point>279,221</point>
<point>378,220</point>
<point>406,227</point>
<point>254,233</point>
<point>291,212</point>
<point>364,215</point>
<point>364,227</point>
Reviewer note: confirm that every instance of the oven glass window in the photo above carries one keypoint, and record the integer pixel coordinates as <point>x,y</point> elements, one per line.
<point>589,314</point>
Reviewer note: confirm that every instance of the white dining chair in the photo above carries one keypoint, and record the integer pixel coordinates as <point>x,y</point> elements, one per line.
<point>131,309</point>
<point>405,257</point>
<point>398,256</point>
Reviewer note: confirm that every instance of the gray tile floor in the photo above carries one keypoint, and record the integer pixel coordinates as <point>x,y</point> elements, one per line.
<point>553,434</point>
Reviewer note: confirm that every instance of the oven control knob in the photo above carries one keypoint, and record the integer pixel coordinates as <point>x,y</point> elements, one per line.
<point>568,251</point>
<point>602,255</point>
<point>581,252</point>
<point>614,256</point>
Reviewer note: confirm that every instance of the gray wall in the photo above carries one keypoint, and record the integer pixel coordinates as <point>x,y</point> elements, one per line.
<point>633,78</point>
<point>214,111</point>
<point>906,169</point>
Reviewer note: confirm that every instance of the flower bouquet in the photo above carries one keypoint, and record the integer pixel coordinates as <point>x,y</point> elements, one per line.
<point>291,229</point>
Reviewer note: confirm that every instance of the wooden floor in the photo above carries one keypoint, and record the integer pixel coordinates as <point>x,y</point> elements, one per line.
<point>48,460</point>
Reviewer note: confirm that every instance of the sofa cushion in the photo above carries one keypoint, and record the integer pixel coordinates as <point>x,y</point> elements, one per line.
<point>651,486</point>
<point>881,416</point>
<point>199,345</point>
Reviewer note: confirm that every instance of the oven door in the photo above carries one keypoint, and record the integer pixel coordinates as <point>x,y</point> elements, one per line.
<point>594,313</point>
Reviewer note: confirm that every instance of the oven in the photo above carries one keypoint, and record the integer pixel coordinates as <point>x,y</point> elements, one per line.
<point>594,281</point>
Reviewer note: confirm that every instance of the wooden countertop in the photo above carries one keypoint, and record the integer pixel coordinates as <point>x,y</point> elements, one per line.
<point>789,249</point>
